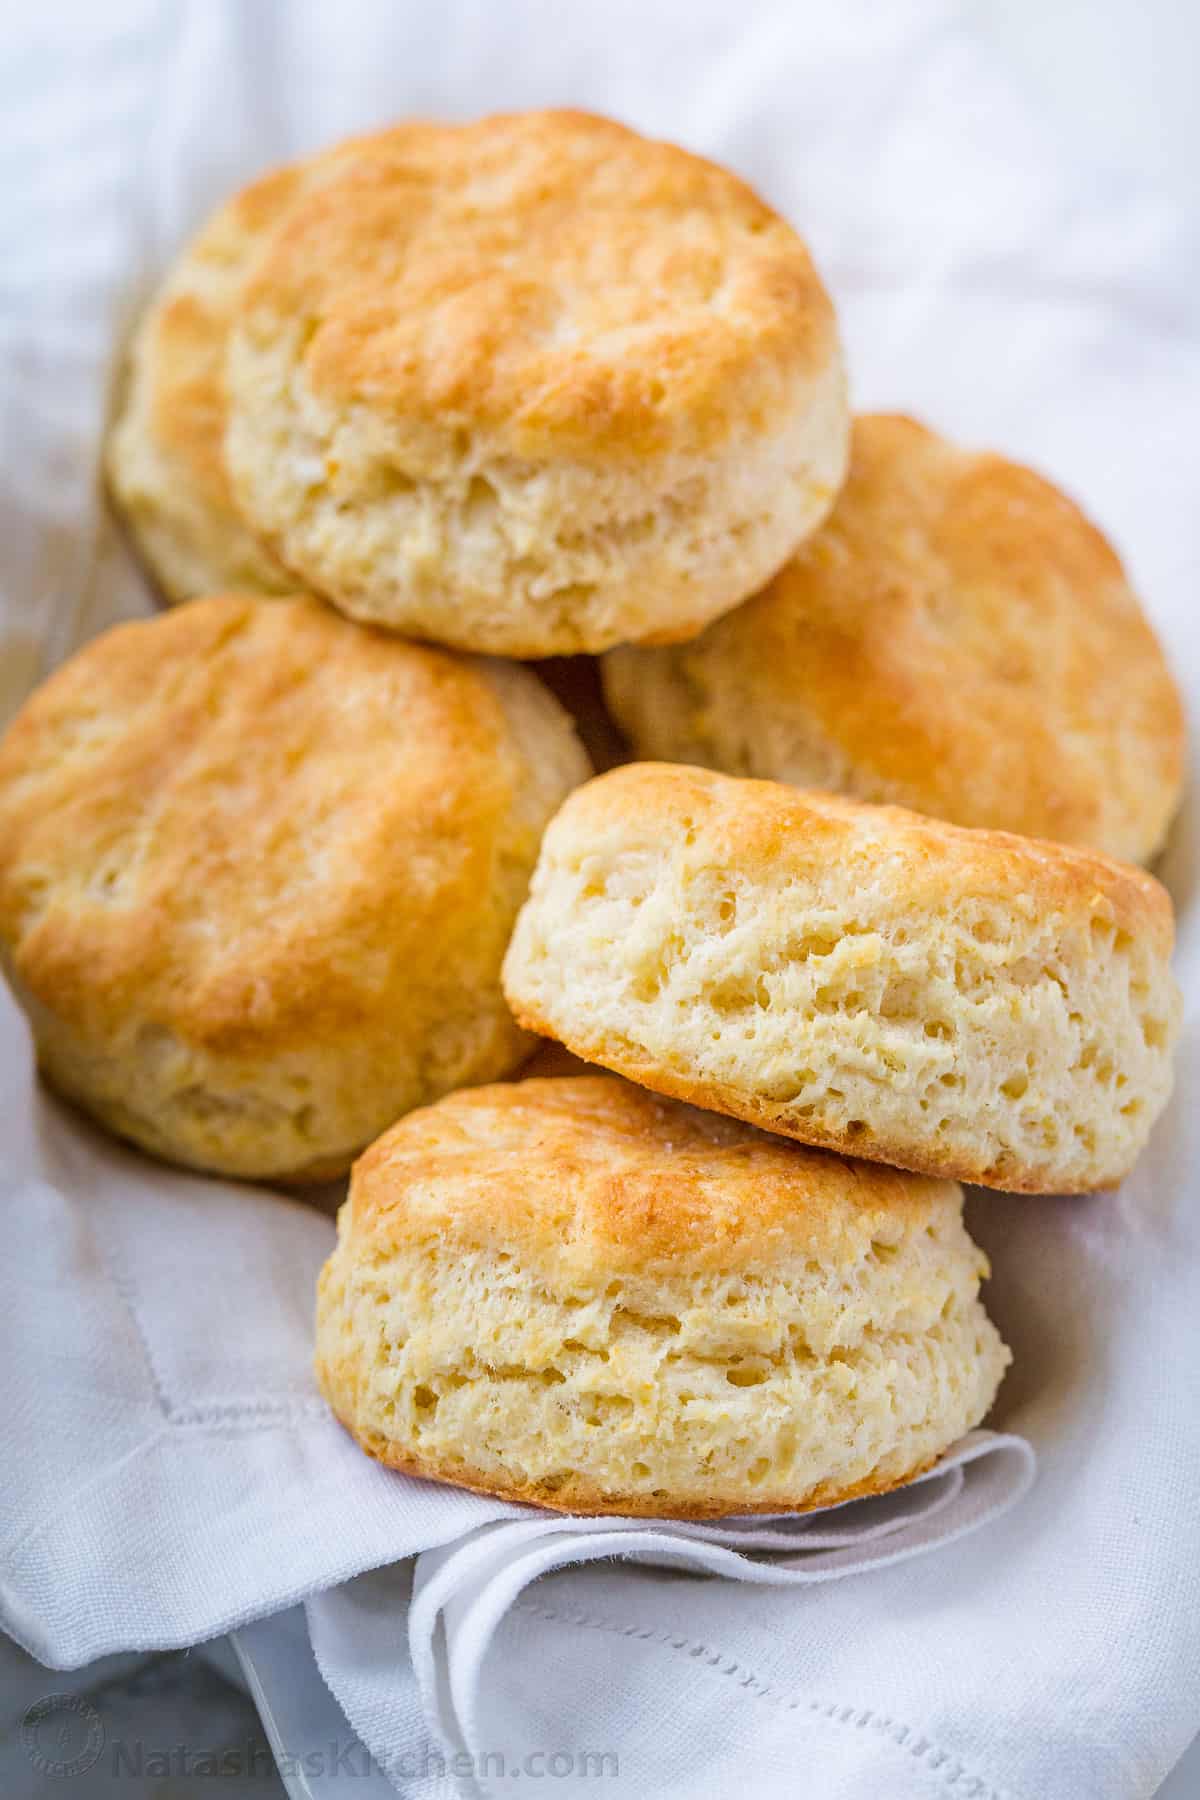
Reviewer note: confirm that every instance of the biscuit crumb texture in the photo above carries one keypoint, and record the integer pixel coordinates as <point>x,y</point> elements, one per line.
<point>534,386</point>
<point>956,638</point>
<point>258,868</point>
<point>967,1003</point>
<point>575,1293</point>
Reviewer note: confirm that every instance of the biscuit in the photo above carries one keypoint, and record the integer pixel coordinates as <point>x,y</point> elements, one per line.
<point>577,1294</point>
<point>968,1004</point>
<point>258,868</point>
<point>165,457</point>
<point>535,385</point>
<point>957,638</point>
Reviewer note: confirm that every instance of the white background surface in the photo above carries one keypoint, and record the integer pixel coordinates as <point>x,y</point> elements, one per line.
<point>1120,74</point>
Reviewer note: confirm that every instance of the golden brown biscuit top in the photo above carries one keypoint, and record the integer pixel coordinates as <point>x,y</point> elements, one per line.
<point>765,832</point>
<point>960,631</point>
<point>550,277</point>
<point>246,819</point>
<point>591,1174</point>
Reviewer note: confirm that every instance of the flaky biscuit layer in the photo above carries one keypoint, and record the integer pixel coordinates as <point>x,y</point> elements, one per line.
<point>966,1003</point>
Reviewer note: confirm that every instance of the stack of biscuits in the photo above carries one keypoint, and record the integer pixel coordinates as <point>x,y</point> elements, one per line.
<point>294,874</point>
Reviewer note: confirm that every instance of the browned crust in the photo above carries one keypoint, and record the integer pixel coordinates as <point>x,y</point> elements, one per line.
<point>597,1172</point>
<point>867,1146</point>
<point>200,724</point>
<point>480,227</point>
<point>957,637</point>
<point>580,1496</point>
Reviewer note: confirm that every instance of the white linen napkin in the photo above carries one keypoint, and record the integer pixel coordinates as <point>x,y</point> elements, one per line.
<point>166,1469</point>
<point>460,1595</point>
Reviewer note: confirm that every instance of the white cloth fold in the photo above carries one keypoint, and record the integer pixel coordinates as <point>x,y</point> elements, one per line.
<point>462,1592</point>
<point>166,1468</point>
